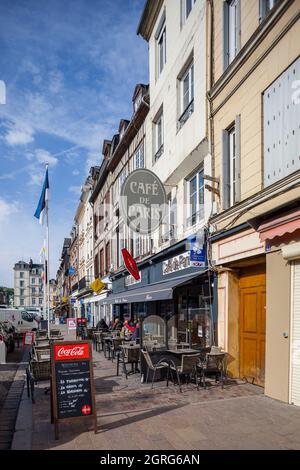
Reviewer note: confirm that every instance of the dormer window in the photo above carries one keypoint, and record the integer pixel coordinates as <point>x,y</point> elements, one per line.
<point>137,102</point>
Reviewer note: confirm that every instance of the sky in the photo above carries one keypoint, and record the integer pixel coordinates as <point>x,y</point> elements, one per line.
<point>69,69</point>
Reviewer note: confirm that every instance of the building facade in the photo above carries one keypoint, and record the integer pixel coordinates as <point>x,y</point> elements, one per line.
<point>255,139</point>
<point>28,285</point>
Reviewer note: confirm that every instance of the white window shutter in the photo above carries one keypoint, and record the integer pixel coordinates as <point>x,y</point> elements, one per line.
<point>225,171</point>
<point>238,27</point>
<point>225,35</point>
<point>238,158</point>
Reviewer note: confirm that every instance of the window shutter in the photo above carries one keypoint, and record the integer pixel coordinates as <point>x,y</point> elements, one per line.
<point>262,10</point>
<point>225,171</point>
<point>225,35</point>
<point>238,27</point>
<point>238,158</point>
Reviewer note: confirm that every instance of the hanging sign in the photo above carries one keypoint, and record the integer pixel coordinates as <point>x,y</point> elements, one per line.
<point>143,201</point>
<point>130,264</point>
<point>72,384</point>
<point>197,252</point>
<point>97,285</point>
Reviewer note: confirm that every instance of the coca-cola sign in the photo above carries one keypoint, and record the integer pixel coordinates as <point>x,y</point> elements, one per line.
<point>73,352</point>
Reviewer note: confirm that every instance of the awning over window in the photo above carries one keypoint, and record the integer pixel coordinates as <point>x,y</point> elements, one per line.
<point>157,291</point>
<point>279,226</point>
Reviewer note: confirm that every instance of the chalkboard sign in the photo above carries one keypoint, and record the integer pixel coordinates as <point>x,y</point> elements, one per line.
<point>72,384</point>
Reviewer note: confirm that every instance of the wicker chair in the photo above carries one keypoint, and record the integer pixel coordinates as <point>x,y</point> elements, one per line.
<point>115,347</point>
<point>187,368</point>
<point>35,372</point>
<point>162,364</point>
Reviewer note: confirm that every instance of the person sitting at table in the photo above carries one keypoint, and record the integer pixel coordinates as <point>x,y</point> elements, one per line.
<point>102,325</point>
<point>116,324</point>
<point>136,333</point>
<point>127,330</point>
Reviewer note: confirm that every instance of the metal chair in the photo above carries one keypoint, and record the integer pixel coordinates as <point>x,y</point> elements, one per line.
<point>188,367</point>
<point>214,364</point>
<point>161,364</point>
<point>127,356</point>
<point>115,347</point>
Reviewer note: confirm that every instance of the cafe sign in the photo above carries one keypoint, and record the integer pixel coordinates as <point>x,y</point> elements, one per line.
<point>177,263</point>
<point>143,201</point>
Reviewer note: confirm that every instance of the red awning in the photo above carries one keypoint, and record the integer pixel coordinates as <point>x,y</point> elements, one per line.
<point>279,226</point>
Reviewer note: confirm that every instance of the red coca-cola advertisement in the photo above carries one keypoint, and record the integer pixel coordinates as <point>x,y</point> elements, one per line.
<point>71,352</point>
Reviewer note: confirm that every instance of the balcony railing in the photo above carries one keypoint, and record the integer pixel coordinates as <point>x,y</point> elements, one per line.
<point>168,235</point>
<point>185,115</point>
<point>196,217</point>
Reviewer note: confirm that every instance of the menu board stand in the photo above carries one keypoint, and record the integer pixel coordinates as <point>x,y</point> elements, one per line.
<point>72,383</point>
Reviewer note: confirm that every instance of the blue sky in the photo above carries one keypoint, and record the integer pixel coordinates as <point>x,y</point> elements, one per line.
<point>70,67</point>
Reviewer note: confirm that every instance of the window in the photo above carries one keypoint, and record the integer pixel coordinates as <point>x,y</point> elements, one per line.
<point>21,283</point>
<point>195,198</point>
<point>231,165</point>
<point>22,291</point>
<point>161,47</point>
<point>121,244</point>
<point>33,280</point>
<point>167,229</point>
<point>158,129</point>
<point>139,157</point>
<point>101,262</point>
<point>22,302</point>
<point>137,245</point>
<point>231,30</point>
<point>21,275</point>
<point>186,6</point>
<point>107,256</point>
<point>33,301</point>
<point>122,178</point>
<point>40,301</point>
<point>186,94</point>
<point>33,290</point>
<point>265,6</point>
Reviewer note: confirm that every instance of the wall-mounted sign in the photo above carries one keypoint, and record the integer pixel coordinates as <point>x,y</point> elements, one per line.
<point>71,271</point>
<point>72,385</point>
<point>130,264</point>
<point>28,338</point>
<point>71,322</point>
<point>143,201</point>
<point>177,263</point>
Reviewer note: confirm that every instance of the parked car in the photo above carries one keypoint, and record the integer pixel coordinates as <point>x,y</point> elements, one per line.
<point>7,335</point>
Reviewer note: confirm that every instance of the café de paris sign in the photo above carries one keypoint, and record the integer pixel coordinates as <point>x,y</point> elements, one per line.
<point>143,201</point>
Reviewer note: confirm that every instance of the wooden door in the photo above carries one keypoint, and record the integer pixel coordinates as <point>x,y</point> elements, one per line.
<point>253,326</point>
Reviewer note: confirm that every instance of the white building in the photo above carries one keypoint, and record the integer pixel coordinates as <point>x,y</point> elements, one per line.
<point>176,135</point>
<point>28,285</point>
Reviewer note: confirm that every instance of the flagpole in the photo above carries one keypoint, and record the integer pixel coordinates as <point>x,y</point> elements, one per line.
<point>47,258</point>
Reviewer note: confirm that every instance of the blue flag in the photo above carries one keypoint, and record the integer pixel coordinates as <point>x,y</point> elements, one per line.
<point>42,205</point>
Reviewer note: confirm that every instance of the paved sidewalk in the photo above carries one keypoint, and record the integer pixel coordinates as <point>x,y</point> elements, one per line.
<point>133,416</point>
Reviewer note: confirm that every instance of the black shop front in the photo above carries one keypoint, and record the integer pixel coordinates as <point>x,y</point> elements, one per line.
<point>174,300</point>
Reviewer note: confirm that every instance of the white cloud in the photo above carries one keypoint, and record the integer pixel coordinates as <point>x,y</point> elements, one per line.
<point>75,190</point>
<point>7,209</point>
<point>75,172</point>
<point>19,135</point>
